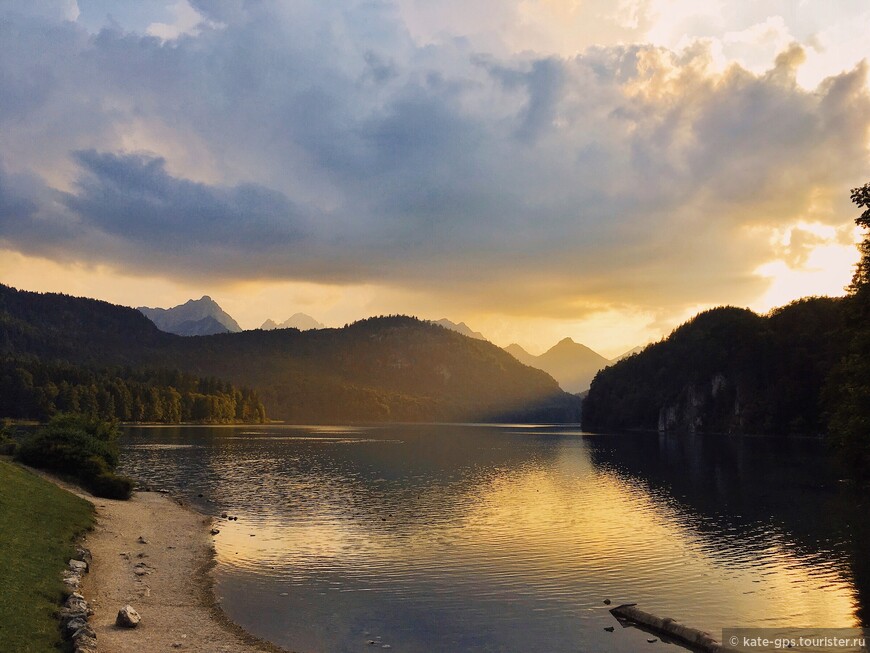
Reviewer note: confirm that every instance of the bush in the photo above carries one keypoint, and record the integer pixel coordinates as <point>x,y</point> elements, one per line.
<point>111,486</point>
<point>7,444</point>
<point>81,447</point>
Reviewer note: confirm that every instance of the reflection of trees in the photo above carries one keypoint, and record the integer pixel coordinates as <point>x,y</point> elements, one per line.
<point>730,486</point>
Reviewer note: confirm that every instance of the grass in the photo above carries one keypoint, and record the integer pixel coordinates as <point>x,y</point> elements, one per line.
<point>39,523</point>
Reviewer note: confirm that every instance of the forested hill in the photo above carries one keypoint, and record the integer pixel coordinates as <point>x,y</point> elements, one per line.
<point>381,369</point>
<point>729,370</point>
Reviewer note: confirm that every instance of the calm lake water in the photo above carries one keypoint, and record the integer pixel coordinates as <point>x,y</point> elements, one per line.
<point>509,538</point>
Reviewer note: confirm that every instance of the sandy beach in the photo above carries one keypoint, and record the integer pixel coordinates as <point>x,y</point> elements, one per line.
<point>166,579</point>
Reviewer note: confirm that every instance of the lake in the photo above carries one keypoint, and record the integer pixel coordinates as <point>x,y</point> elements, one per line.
<point>423,538</point>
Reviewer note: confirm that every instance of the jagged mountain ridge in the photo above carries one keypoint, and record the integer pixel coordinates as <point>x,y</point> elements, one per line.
<point>195,317</point>
<point>460,327</point>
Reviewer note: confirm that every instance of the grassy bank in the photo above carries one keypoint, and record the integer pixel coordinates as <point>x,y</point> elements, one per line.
<point>38,525</point>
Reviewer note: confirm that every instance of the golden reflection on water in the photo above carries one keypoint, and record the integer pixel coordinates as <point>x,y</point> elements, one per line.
<point>562,530</point>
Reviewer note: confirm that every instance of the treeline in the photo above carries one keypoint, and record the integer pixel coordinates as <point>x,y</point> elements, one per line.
<point>32,389</point>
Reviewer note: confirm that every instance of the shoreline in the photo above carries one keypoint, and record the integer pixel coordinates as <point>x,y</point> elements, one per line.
<point>167,579</point>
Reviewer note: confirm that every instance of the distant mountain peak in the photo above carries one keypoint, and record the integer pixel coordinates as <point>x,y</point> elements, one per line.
<point>461,327</point>
<point>572,364</point>
<point>300,321</point>
<point>190,318</point>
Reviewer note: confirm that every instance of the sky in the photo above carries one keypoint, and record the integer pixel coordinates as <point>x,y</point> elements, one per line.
<point>539,169</point>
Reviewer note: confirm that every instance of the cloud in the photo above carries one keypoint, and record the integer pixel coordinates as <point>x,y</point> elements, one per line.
<point>324,142</point>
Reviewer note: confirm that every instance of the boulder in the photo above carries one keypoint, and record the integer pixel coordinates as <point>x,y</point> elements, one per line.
<point>128,617</point>
<point>85,644</point>
<point>84,554</point>
<point>79,566</point>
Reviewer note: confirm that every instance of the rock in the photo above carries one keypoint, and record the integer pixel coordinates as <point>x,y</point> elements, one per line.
<point>215,531</point>
<point>223,515</point>
<point>128,617</point>
<point>142,540</point>
<point>79,566</point>
<point>74,625</point>
<point>652,640</point>
<point>84,554</point>
<point>84,631</point>
<point>609,629</point>
<point>85,644</point>
<point>72,580</point>
<point>606,601</point>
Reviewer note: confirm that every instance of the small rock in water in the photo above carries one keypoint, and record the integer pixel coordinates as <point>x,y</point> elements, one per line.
<point>215,531</point>
<point>371,642</point>
<point>128,617</point>
<point>284,594</point>
<point>609,629</point>
<point>223,515</point>
<point>606,601</point>
<point>652,640</point>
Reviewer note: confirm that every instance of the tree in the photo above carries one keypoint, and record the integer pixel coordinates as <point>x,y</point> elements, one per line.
<point>861,279</point>
<point>849,388</point>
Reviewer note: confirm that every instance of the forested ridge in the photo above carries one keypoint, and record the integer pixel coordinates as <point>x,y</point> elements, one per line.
<point>728,370</point>
<point>803,369</point>
<point>392,368</point>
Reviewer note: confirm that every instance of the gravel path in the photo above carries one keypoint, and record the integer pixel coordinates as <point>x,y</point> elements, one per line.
<point>165,579</point>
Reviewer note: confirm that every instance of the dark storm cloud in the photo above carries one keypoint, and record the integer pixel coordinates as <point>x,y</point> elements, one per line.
<point>317,141</point>
<point>133,198</point>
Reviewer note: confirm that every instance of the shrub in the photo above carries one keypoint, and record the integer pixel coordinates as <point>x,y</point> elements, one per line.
<point>82,447</point>
<point>111,486</point>
<point>7,444</point>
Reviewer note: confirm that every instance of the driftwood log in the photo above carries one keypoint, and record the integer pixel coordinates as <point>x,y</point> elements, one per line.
<point>668,629</point>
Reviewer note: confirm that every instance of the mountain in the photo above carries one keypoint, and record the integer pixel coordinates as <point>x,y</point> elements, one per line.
<point>573,365</point>
<point>196,317</point>
<point>729,370</point>
<point>630,352</point>
<point>299,321</point>
<point>462,328</point>
<point>380,369</point>
<point>521,355</point>
<point>207,326</point>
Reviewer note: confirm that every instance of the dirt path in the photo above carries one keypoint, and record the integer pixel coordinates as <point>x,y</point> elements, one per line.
<point>165,579</point>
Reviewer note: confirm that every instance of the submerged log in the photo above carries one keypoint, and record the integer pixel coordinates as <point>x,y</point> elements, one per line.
<point>668,629</point>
